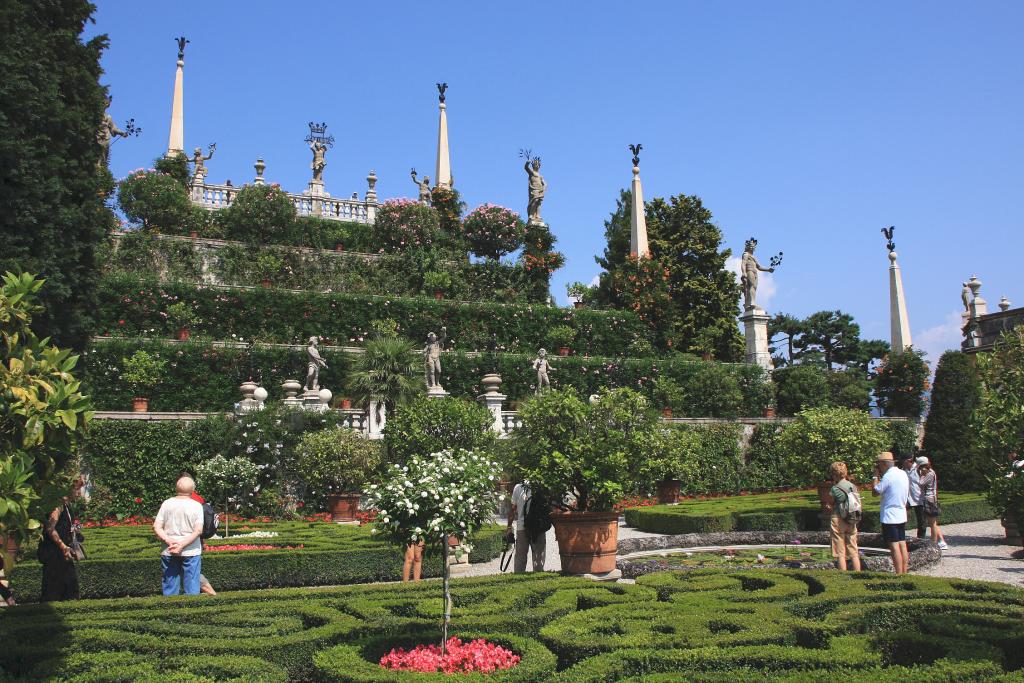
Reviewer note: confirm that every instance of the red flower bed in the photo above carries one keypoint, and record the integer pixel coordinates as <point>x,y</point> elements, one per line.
<point>477,655</point>
<point>243,546</point>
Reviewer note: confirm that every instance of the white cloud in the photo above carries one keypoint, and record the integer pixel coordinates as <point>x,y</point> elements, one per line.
<point>765,284</point>
<point>938,338</point>
<point>596,280</point>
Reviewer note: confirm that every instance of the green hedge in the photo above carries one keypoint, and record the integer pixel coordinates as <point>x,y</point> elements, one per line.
<point>699,625</point>
<point>140,254</point>
<point>130,306</point>
<point>202,377</point>
<point>787,511</point>
<point>125,560</point>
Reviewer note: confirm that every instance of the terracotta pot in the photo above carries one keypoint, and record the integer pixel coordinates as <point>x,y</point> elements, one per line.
<point>346,403</point>
<point>265,282</point>
<point>184,333</point>
<point>668,491</point>
<point>706,355</point>
<point>769,411</point>
<point>140,404</point>
<point>666,412</point>
<point>438,294</point>
<point>1013,536</point>
<point>193,234</point>
<point>563,351</point>
<point>453,541</point>
<point>343,506</point>
<point>577,304</point>
<point>587,541</point>
<point>11,547</point>
<point>339,247</point>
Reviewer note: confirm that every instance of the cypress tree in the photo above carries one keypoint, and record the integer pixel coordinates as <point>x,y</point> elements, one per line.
<point>948,437</point>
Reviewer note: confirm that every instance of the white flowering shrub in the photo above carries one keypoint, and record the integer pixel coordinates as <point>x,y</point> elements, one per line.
<point>450,493</point>
<point>229,485</point>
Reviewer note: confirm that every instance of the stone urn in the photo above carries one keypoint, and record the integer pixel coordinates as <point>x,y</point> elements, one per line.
<point>587,541</point>
<point>668,491</point>
<point>491,383</point>
<point>343,506</point>
<point>248,388</point>
<point>291,388</point>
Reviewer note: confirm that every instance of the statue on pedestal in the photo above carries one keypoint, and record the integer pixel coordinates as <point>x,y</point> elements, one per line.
<point>432,358</point>
<point>965,296</point>
<point>198,160</point>
<point>319,160</point>
<point>313,366</point>
<point>543,367</point>
<point>537,187</point>
<point>423,185</point>
<point>749,267</point>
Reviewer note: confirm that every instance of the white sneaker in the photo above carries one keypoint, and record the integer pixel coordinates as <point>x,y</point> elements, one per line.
<point>943,546</point>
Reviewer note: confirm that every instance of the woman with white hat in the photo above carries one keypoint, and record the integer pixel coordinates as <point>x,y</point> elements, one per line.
<point>930,499</point>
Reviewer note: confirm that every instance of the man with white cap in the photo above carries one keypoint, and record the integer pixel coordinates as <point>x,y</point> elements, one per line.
<point>179,524</point>
<point>894,488</point>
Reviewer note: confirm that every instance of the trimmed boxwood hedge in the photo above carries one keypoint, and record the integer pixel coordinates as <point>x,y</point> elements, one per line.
<point>131,306</point>
<point>125,560</point>
<point>204,377</point>
<point>700,625</point>
<point>793,511</point>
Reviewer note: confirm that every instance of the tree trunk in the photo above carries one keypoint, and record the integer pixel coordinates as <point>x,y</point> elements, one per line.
<point>445,576</point>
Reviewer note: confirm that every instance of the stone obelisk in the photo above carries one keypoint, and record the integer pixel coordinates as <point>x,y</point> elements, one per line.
<point>637,219</point>
<point>899,323</point>
<point>443,169</point>
<point>176,138</point>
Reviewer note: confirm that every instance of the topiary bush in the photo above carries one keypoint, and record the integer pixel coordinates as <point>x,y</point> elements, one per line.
<point>260,214</point>
<point>821,436</point>
<point>404,224</point>
<point>493,231</point>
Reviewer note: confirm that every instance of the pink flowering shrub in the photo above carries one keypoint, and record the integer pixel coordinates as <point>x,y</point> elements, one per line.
<point>247,546</point>
<point>493,231</point>
<point>403,224</point>
<point>474,656</point>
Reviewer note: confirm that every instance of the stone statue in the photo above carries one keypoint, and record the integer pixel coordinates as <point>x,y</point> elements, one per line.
<point>537,189</point>
<point>965,296</point>
<point>543,367</point>
<point>106,134</point>
<point>432,358</point>
<point>424,186</point>
<point>749,267</point>
<point>319,153</point>
<point>198,159</point>
<point>314,365</point>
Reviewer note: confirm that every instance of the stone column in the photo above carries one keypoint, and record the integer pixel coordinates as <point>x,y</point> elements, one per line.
<point>371,197</point>
<point>899,324</point>
<point>443,169</point>
<point>493,400</point>
<point>638,220</point>
<point>176,139</point>
<point>755,331</point>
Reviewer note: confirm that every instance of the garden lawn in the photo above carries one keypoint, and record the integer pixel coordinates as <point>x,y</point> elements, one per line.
<point>702,625</point>
<point>125,560</point>
<point>788,511</point>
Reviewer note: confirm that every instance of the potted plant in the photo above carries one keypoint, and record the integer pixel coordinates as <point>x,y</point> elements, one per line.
<point>1006,495</point>
<point>560,337</point>
<point>667,394</point>
<point>666,457</point>
<point>334,465</point>
<point>267,267</point>
<point>437,282</point>
<point>584,452</point>
<point>182,318</point>
<point>578,292</point>
<point>142,372</point>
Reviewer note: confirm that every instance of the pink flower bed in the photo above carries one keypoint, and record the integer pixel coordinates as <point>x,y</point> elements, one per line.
<point>475,656</point>
<point>219,548</point>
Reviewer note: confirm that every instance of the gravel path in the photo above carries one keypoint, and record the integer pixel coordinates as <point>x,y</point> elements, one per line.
<point>977,550</point>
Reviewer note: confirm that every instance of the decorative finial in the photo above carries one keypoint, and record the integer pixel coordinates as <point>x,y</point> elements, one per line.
<point>182,42</point>
<point>260,167</point>
<point>441,87</point>
<point>1004,304</point>
<point>318,133</point>
<point>890,245</point>
<point>635,149</point>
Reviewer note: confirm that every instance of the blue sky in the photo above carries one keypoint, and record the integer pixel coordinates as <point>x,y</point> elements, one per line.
<point>809,125</point>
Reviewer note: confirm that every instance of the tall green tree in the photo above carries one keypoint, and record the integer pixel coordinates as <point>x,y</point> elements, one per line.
<point>783,330</point>
<point>686,249</point>
<point>947,439</point>
<point>901,382</point>
<point>52,211</point>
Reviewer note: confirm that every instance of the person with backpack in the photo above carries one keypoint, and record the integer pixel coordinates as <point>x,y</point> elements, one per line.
<point>179,524</point>
<point>531,513</point>
<point>211,522</point>
<point>846,515</point>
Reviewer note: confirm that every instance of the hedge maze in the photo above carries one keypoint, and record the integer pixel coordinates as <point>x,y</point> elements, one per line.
<point>699,625</point>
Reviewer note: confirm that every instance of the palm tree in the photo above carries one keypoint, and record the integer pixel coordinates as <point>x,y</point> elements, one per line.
<point>387,372</point>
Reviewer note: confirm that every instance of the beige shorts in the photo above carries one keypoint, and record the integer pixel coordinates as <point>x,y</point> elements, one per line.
<point>844,538</point>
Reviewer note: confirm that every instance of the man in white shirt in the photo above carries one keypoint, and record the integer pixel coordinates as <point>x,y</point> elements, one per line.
<point>914,501</point>
<point>179,524</point>
<point>894,488</point>
<point>533,541</point>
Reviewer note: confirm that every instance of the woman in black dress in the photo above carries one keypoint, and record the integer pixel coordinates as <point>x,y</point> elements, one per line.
<point>57,551</point>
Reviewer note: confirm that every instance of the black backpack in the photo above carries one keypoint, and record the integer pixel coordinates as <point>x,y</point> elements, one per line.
<point>211,521</point>
<point>537,517</point>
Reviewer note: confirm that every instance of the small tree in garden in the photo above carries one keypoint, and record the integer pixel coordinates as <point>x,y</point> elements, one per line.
<point>336,460</point>
<point>403,224</point>
<point>901,382</point>
<point>143,372</point>
<point>388,372</point>
<point>998,422</point>
<point>156,201</point>
<point>260,214</point>
<point>821,436</point>
<point>430,498</point>
<point>493,231</point>
<point>800,387</point>
<point>449,206</point>
<point>427,425</point>
<point>948,439</point>
<point>181,316</point>
<point>230,483</point>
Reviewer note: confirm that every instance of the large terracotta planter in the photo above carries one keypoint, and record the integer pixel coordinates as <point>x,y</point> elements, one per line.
<point>346,403</point>
<point>140,404</point>
<point>668,491</point>
<point>343,506</point>
<point>769,411</point>
<point>587,541</point>
<point>1013,536</point>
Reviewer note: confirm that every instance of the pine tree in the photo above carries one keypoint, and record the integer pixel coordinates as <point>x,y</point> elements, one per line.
<point>52,212</point>
<point>948,438</point>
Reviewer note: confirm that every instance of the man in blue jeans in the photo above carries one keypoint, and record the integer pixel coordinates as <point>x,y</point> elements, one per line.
<point>179,524</point>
